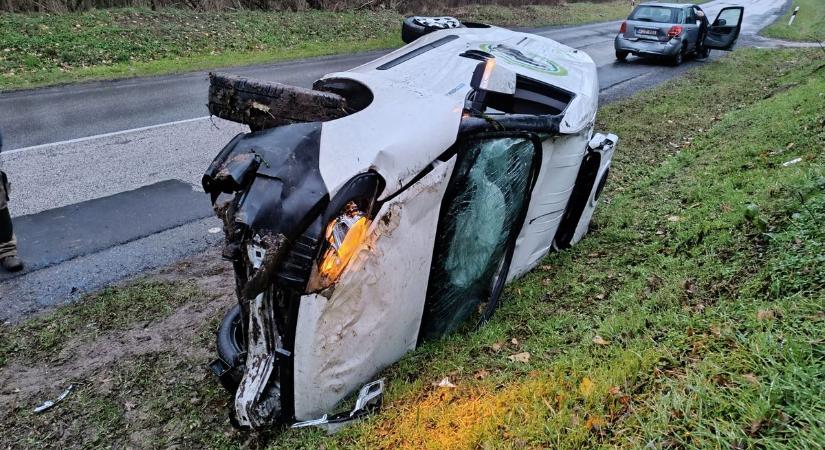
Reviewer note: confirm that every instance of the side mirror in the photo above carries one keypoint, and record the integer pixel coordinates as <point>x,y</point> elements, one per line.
<point>489,77</point>
<point>720,23</point>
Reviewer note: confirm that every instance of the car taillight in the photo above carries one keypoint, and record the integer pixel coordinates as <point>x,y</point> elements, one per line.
<point>674,31</point>
<point>623,28</point>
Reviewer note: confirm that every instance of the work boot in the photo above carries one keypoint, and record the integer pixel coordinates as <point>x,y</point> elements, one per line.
<point>12,263</point>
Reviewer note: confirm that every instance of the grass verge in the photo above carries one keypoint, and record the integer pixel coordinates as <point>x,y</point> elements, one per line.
<point>809,24</point>
<point>44,49</point>
<point>690,317</point>
<point>112,309</point>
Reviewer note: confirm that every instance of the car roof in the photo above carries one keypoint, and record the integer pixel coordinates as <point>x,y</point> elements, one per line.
<point>419,92</point>
<point>669,5</point>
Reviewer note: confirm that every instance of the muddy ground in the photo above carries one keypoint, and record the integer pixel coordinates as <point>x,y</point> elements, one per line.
<point>130,379</point>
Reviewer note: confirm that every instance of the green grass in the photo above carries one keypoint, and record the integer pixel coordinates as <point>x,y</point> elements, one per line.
<point>704,274</point>
<point>44,49</point>
<point>809,24</point>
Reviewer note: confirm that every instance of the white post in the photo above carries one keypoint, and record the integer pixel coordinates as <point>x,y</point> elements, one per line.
<point>793,16</point>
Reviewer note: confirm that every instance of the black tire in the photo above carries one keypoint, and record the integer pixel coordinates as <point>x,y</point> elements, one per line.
<point>231,347</point>
<point>703,53</point>
<point>621,55</point>
<point>679,58</point>
<point>412,30</point>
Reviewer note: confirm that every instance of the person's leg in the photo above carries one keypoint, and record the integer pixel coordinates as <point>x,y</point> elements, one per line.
<point>8,243</point>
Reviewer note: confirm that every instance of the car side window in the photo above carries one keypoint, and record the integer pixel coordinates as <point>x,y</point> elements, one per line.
<point>691,16</point>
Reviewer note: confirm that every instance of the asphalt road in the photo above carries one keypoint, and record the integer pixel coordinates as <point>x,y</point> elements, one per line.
<point>106,175</point>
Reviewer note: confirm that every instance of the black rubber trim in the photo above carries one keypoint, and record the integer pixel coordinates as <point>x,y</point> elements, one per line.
<point>418,51</point>
<point>585,180</point>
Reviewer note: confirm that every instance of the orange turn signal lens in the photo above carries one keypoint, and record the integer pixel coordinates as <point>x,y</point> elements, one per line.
<point>345,234</point>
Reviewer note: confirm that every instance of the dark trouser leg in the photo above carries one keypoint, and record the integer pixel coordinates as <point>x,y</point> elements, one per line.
<point>8,245</point>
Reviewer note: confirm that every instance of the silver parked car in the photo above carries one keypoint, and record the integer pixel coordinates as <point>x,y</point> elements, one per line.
<point>674,30</point>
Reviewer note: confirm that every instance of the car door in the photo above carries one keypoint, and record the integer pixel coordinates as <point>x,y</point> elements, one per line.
<point>724,31</point>
<point>691,27</point>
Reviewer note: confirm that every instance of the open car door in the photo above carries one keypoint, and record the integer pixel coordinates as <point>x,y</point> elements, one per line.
<point>724,31</point>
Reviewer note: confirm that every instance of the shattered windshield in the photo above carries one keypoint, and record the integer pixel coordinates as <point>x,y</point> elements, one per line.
<point>486,196</point>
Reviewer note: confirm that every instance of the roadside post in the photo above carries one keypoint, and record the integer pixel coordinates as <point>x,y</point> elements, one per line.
<point>793,16</point>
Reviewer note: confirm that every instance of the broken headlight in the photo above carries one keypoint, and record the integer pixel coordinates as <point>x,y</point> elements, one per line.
<point>344,235</point>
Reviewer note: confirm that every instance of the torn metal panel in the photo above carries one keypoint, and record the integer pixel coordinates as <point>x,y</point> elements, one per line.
<point>371,317</point>
<point>258,398</point>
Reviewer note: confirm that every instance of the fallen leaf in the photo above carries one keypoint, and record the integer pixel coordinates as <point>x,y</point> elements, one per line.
<point>496,346</point>
<point>523,357</point>
<point>600,296</point>
<point>574,420</point>
<point>714,330</point>
<point>673,218</point>
<point>594,422</point>
<point>586,387</point>
<point>765,314</point>
<point>751,378</point>
<point>481,374</point>
<point>546,268</point>
<point>756,425</point>
<point>614,390</point>
<point>689,286</point>
<point>444,383</point>
<point>514,341</point>
<point>598,340</point>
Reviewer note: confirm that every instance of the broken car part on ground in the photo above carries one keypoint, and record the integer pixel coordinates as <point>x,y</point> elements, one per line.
<point>390,204</point>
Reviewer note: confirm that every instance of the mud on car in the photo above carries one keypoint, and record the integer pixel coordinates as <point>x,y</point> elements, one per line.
<point>390,204</point>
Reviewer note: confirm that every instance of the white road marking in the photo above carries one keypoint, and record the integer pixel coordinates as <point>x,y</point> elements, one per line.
<point>104,135</point>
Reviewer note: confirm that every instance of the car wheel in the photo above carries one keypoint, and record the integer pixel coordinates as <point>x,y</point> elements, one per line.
<point>416,26</point>
<point>677,59</point>
<point>621,55</point>
<point>230,344</point>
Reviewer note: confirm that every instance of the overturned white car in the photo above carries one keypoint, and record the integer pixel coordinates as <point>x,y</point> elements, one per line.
<point>390,204</point>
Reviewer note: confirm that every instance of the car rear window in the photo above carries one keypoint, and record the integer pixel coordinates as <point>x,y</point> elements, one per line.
<point>658,14</point>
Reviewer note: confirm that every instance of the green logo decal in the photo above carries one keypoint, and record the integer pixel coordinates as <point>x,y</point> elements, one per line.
<point>524,58</point>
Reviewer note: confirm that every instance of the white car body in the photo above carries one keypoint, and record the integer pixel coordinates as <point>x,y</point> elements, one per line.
<point>347,333</point>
